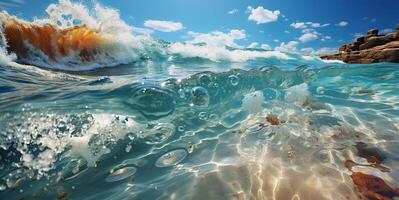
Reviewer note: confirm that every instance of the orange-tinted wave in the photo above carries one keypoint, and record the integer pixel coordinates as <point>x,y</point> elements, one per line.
<point>54,42</point>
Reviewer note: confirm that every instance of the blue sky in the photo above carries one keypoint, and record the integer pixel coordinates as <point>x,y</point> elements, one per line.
<point>283,24</point>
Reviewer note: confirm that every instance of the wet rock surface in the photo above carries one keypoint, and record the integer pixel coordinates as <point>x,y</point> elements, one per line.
<point>371,48</point>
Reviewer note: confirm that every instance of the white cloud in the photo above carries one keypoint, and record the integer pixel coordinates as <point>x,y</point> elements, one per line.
<point>356,35</point>
<point>144,31</point>
<point>291,46</point>
<point>343,23</point>
<point>276,40</point>
<point>309,35</point>
<point>327,37</point>
<point>163,26</point>
<point>253,45</point>
<point>232,12</point>
<point>218,38</point>
<point>261,15</point>
<point>303,25</point>
<point>265,47</point>
<point>298,25</point>
<point>287,32</point>
<point>385,31</point>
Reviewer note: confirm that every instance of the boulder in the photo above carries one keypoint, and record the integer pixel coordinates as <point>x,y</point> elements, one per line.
<point>361,39</point>
<point>372,32</point>
<point>342,48</point>
<point>371,48</point>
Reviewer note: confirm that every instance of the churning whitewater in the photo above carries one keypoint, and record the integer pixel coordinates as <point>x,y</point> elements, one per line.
<point>89,110</point>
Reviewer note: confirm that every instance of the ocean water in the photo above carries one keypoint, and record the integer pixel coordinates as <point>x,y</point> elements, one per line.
<point>185,121</point>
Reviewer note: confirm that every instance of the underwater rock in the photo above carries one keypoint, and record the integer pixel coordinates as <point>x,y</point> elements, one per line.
<point>373,187</point>
<point>372,155</point>
<point>273,120</point>
<point>371,48</point>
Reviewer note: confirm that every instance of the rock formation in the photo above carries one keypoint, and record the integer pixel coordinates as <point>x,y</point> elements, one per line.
<point>371,48</point>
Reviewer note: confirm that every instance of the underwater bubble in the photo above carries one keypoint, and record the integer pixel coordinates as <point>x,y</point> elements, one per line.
<point>159,133</point>
<point>182,93</point>
<point>128,148</point>
<point>202,115</point>
<point>233,80</point>
<point>72,168</point>
<point>200,96</point>
<point>121,174</point>
<point>171,158</point>
<point>320,90</point>
<point>152,102</point>
<point>205,79</point>
<point>180,128</point>
<point>131,136</point>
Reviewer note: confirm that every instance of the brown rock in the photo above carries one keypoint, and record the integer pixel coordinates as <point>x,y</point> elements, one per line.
<point>373,187</point>
<point>371,48</point>
<point>361,39</point>
<point>372,32</point>
<point>342,48</point>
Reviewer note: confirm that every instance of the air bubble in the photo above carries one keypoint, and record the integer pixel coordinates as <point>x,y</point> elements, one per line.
<point>200,96</point>
<point>131,136</point>
<point>159,133</point>
<point>171,158</point>
<point>121,174</point>
<point>202,115</point>
<point>320,90</point>
<point>180,128</point>
<point>205,79</point>
<point>233,80</point>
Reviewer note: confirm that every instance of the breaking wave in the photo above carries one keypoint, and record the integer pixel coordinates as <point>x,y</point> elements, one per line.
<point>73,39</point>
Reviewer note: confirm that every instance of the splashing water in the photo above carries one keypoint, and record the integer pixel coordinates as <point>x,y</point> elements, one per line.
<point>180,121</point>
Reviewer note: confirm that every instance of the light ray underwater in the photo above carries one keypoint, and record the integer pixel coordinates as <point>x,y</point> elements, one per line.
<point>91,110</point>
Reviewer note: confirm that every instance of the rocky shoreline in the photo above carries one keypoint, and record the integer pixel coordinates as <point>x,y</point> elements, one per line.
<point>372,48</point>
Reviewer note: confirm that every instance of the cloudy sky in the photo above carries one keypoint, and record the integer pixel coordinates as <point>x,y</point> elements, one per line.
<point>287,25</point>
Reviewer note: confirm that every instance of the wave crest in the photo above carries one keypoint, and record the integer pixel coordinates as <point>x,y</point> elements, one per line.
<point>71,38</point>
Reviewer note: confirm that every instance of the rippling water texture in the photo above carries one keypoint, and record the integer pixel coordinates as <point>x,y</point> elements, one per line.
<point>258,132</point>
<point>104,114</point>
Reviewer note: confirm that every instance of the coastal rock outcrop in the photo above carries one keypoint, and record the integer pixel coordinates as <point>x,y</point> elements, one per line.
<point>371,48</point>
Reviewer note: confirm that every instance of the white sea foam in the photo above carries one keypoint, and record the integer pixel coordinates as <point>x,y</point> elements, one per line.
<point>122,46</point>
<point>297,94</point>
<point>221,53</point>
<point>253,102</point>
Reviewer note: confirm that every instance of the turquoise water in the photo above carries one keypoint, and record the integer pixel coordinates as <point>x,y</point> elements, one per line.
<point>196,130</point>
<point>134,117</point>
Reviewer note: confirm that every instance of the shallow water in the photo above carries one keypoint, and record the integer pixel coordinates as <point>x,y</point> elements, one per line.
<point>139,118</point>
<point>213,131</point>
